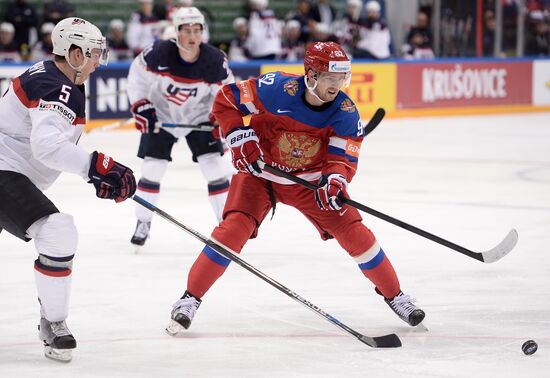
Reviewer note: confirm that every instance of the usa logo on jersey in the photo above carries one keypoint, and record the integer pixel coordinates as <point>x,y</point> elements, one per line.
<point>179,95</point>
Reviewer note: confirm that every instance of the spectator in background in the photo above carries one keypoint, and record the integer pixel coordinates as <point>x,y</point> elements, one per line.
<point>118,48</point>
<point>489,26</point>
<point>8,48</point>
<point>323,12</point>
<point>374,35</point>
<point>302,14</point>
<point>293,46</point>
<point>264,37</point>
<point>56,10</point>
<point>347,28</point>
<point>144,27</point>
<point>164,11</point>
<point>538,43</point>
<point>237,47</point>
<point>419,40</point>
<point>416,48</point>
<point>421,28</point>
<point>23,18</point>
<point>322,33</point>
<point>43,49</point>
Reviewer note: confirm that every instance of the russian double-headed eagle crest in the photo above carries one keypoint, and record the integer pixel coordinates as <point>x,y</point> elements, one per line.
<point>347,106</point>
<point>296,151</point>
<point>291,87</point>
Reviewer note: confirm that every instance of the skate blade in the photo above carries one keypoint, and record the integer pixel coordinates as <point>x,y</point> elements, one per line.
<point>174,328</point>
<point>137,248</point>
<point>61,355</point>
<point>421,327</point>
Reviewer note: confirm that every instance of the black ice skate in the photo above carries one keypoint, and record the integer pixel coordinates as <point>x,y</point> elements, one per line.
<point>141,233</point>
<point>404,307</point>
<point>183,312</point>
<point>58,340</point>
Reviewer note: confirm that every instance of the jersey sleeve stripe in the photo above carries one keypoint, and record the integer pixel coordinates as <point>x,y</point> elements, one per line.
<point>337,142</point>
<point>236,98</point>
<point>79,121</point>
<point>22,95</point>
<point>341,152</point>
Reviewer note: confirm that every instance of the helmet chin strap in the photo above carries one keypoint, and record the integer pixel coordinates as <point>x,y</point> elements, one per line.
<point>311,90</point>
<point>78,70</point>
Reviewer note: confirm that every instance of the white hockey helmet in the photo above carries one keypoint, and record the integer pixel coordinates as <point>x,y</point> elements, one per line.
<point>76,31</point>
<point>188,16</point>
<point>258,4</point>
<point>372,6</point>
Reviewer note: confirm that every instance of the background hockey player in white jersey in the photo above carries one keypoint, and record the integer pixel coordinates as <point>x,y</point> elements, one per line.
<point>175,81</point>
<point>42,116</point>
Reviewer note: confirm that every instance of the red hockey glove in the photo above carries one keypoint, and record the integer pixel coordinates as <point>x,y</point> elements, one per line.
<point>330,192</point>
<point>145,115</point>
<point>111,180</point>
<point>247,154</point>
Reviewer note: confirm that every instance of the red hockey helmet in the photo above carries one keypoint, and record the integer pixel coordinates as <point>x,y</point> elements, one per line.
<point>326,57</point>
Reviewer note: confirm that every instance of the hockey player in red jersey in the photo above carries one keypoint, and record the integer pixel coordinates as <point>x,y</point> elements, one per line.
<point>42,116</point>
<point>307,126</point>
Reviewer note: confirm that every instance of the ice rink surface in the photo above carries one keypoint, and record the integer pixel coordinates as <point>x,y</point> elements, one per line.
<point>466,179</point>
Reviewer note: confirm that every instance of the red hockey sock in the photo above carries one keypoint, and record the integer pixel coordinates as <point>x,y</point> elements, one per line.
<point>203,274</point>
<point>384,278</point>
<point>233,232</point>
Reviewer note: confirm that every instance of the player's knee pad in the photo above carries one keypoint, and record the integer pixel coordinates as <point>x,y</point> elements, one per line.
<point>356,239</point>
<point>153,169</point>
<point>214,167</point>
<point>235,230</point>
<point>55,238</point>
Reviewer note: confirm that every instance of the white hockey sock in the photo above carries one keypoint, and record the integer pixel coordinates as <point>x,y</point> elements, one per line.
<point>149,192</point>
<point>54,294</point>
<point>217,195</point>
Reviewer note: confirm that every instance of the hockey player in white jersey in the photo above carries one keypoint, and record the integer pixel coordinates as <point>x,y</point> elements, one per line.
<point>175,81</point>
<point>42,116</point>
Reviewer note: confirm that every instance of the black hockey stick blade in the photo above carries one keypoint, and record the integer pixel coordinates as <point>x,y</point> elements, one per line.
<point>387,341</point>
<point>490,256</point>
<point>374,121</point>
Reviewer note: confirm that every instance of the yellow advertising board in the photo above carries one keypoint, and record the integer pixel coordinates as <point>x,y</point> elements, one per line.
<point>372,84</point>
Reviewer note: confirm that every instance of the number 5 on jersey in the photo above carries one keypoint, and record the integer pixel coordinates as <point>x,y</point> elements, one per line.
<point>65,93</point>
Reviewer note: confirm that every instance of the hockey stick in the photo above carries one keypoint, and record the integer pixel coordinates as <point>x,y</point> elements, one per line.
<point>374,121</point>
<point>492,255</point>
<point>158,125</point>
<point>112,126</point>
<point>386,341</point>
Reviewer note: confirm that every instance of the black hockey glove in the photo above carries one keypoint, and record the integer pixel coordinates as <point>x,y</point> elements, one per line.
<point>145,116</point>
<point>111,180</point>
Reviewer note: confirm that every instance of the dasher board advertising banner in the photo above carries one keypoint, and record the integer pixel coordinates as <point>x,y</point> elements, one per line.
<point>463,84</point>
<point>541,82</point>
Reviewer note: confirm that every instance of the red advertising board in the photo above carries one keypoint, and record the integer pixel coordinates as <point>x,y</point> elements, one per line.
<point>463,84</point>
